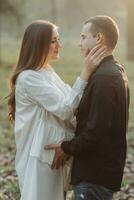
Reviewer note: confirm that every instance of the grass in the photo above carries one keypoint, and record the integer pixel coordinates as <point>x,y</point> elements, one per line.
<point>68,67</point>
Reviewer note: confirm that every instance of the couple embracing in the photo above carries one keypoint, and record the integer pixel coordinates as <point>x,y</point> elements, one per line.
<point>61,129</point>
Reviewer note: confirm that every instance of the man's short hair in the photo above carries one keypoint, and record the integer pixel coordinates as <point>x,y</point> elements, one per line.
<point>107,26</point>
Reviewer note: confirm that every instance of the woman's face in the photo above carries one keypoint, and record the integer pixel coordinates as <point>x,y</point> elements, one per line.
<point>55,46</point>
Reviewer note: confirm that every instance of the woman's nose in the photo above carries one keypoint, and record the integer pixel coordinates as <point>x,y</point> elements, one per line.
<point>59,44</point>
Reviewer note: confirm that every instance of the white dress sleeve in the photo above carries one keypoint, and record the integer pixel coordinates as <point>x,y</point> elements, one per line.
<point>45,93</point>
<point>67,87</point>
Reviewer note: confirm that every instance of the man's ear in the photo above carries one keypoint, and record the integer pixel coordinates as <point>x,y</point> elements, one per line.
<point>100,38</point>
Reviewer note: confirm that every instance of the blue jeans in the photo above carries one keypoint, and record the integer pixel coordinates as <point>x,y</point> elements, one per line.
<point>88,191</point>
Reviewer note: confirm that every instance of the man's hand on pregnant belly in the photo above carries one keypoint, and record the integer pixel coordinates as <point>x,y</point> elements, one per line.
<point>60,157</point>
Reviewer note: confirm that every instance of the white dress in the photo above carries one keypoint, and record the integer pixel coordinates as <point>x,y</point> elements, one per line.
<point>45,108</point>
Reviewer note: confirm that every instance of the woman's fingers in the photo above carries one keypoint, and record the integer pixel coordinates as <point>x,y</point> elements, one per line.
<point>99,51</point>
<point>93,50</point>
<point>100,57</point>
<point>99,54</point>
<point>94,54</point>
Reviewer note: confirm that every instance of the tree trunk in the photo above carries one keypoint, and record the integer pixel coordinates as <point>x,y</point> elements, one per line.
<point>130,29</point>
<point>0,41</point>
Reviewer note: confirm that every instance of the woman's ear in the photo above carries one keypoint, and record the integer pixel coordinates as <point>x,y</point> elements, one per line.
<point>100,38</point>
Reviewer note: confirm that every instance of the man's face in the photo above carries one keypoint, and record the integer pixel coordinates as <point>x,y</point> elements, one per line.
<point>87,41</point>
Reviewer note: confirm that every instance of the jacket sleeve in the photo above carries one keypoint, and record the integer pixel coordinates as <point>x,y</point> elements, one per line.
<point>45,93</point>
<point>98,123</point>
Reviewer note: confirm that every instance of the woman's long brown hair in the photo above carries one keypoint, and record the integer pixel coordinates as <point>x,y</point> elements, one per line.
<point>33,54</point>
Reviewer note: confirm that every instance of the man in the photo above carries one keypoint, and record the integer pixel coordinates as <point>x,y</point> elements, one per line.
<point>99,148</point>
